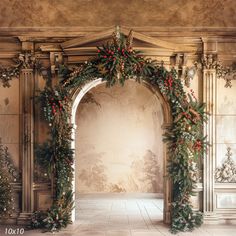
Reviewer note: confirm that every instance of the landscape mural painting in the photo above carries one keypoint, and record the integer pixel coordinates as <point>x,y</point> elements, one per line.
<point>119,140</point>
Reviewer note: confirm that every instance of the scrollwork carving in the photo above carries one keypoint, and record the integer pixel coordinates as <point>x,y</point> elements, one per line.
<point>227,73</point>
<point>227,172</point>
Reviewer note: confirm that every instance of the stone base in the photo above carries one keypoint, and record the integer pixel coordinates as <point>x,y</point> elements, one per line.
<point>214,218</point>
<point>210,218</point>
<point>167,217</point>
<point>24,219</point>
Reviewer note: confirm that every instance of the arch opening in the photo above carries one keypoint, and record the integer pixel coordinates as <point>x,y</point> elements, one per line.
<point>150,154</point>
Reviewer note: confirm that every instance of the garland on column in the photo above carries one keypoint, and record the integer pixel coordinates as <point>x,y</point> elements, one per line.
<point>56,156</point>
<point>117,62</point>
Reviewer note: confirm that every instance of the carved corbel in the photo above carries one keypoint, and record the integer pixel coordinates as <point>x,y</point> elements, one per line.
<point>56,58</point>
<point>180,61</point>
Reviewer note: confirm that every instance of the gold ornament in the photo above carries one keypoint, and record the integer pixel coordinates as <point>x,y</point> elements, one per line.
<point>188,127</point>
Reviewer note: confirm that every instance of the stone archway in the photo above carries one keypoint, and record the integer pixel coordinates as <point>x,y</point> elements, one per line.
<point>167,120</point>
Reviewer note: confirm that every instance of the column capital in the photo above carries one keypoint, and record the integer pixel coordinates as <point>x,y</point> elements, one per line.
<point>209,61</point>
<point>27,60</point>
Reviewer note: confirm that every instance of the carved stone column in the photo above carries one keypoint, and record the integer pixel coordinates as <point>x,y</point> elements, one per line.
<point>27,140</point>
<point>209,98</point>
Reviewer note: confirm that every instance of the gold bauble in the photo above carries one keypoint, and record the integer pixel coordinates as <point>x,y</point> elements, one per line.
<point>188,127</point>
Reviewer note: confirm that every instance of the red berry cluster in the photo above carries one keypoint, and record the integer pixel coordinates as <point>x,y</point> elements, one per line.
<point>56,106</point>
<point>169,82</point>
<point>192,93</point>
<point>188,116</point>
<point>109,54</point>
<point>198,145</point>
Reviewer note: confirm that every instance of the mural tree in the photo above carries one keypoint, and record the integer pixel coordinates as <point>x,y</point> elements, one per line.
<point>94,175</point>
<point>151,171</point>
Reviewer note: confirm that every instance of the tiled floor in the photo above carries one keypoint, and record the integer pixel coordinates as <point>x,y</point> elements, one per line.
<point>119,211</point>
<point>122,215</point>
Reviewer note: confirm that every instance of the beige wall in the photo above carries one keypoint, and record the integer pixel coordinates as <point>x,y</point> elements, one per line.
<point>9,119</point>
<point>119,140</point>
<point>102,13</point>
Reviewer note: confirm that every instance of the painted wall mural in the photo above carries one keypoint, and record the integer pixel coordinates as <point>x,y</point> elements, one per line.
<point>119,140</point>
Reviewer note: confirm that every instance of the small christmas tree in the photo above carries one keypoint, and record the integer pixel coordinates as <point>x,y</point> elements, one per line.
<point>6,199</point>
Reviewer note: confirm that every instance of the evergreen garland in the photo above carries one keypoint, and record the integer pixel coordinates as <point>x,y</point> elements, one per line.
<point>117,62</point>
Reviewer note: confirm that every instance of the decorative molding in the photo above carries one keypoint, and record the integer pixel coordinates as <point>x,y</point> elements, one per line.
<point>42,33</point>
<point>139,36</point>
<point>227,73</point>
<point>227,172</point>
<point>7,73</point>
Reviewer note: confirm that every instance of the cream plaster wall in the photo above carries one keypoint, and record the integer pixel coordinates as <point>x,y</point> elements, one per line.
<point>225,193</point>
<point>225,121</point>
<point>119,140</point>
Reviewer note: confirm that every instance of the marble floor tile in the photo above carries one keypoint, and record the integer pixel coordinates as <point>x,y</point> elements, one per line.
<point>111,215</point>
